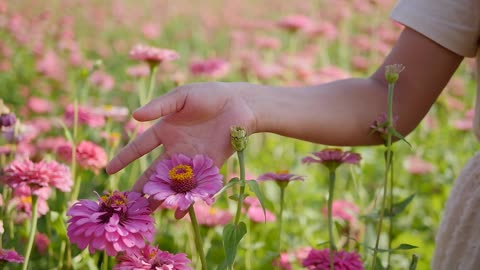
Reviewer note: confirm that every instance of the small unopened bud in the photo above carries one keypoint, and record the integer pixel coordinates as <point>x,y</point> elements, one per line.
<point>392,72</point>
<point>238,138</point>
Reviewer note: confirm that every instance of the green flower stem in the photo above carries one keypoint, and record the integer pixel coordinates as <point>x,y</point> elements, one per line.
<point>33,230</point>
<point>105,261</point>
<point>198,239</point>
<point>390,230</point>
<point>280,218</point>
<point>76,187</point>
<point>331,188</point>
<point>388,164</point>
<point>151,85</point>
<point>241,161</point>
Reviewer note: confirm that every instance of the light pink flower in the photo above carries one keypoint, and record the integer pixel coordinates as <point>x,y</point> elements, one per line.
<point>150,30</point>
<point>88,155</point>
<point>102,80</point>
<point>152,258</point>
<point>10,255</point>
<point>255,211</point>
<point>267,43</point>
<point>210,216</point>
<point>181,180</point>
<point>416,165</point>
<point>51,66</point>
<point>117,222</point>
<point>51,143</point>
<point>343,210</point>
<point>152,55</point>
<point>282,176</point>
<point>320,260</point>
<point>138,71</point>
<point>333,157</point>
<point>283,262</point>
<point>39,105</point>
<point>37,175</point>
<point>117,113</point>
<point>294,23</point>
<point>213,68</point>
<point>86,116</point>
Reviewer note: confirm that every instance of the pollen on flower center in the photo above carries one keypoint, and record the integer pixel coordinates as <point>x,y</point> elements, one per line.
<point>114,199</point>
<point>181,173</point>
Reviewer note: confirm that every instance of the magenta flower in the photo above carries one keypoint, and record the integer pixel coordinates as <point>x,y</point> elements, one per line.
<point>88,155</point>
<point>152,258</point>
<point>380,125</point>
<point>41,242</point>
<point>320,260</point>
<point>117,222</point>
<point>282,176</point>
<point>37,175</point>
<point>332,158</point>
<point>152,55</point>
<point>10,255</point>
<point>181,180</point>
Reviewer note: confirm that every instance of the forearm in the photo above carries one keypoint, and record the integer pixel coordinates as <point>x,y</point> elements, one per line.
<point>338,113</point>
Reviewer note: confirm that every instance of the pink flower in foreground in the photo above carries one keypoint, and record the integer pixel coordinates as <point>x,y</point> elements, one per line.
<point>210,216</point>
<point>152,55</point>
<point>333,157</point>
<point>152,258</point>
<point>213,68</point>
<point>416,165</point>
<point>11,255</point>
<point>181,180</point>
<point>320,260</point>
<point>120,221</point>
<point>86,116</point>
<point>88,155</point>
<point>343,210</point>
<point>41,242</point>
<point>37,175</point>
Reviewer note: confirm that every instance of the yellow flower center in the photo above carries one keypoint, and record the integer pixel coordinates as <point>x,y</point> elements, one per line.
<point>282,172</point>
<point>181,173</point>
<point>115,198</point>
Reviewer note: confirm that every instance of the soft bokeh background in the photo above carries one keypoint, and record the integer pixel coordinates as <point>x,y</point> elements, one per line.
<point>47,47</point>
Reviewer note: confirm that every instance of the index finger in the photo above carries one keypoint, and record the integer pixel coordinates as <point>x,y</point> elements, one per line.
<point>141,145</point>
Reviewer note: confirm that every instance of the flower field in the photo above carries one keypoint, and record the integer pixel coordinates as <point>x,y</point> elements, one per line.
<point>73,71</point>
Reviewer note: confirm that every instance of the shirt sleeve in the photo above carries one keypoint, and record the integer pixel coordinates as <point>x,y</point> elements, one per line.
<point>454,24</point>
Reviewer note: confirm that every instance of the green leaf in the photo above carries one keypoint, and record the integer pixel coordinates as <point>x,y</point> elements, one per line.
<point>253,185</point>
<point>231,238</point>
<point>230,183</point>
<point>398,135</point>
<point>400,247</point>
<point>413,264</point>
<point>378,264</point>
<point>397,208</point>
<point>67,132</point>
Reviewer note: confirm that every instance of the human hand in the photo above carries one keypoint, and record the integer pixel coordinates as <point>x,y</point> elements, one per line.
<point>193,119</point>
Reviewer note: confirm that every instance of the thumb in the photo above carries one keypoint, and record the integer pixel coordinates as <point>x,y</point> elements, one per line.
<point>161,106</point>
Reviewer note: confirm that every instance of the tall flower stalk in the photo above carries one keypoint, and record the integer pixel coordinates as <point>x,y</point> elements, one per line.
<point>198,237</point>
<point>239,143</point>
<point>332,159</point>
<point>33,231</point>
<point>392,73</point>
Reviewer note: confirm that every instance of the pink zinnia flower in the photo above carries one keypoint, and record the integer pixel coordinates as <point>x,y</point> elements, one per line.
<point>102,80</point>
<point>416,165</point>
<point>37,175</point>
<point>380,124</point>
<point>210,216</point>
<point>283,262</point>
<point>117,222</point>
<point>138,71</point>
<point>320,260</point>
<point>88,155</point>
<point>281,178</point>
<point>213,68</point>
<point>344,210</point>
<point>294,23</point>
<point>152,258</point>
<point>51,143</point>
<point>41,242</point>
<point>255,211</point>
<point>332,158</point>
<point>10,255</point>
<point>152,55</point>
<point>181,180</point>
<point>86,116</point>
<point>39,105</point>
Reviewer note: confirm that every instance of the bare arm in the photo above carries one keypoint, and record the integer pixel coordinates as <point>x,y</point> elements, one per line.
<point>340,113</point>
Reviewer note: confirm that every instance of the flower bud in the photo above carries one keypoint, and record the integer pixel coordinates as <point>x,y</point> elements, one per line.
<point>392,72</point>
<point>7,120</point>
<point>238,138</point>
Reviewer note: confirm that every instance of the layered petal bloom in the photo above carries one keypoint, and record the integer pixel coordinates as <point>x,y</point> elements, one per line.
<point>181,180</point>
<point>117,222</point>
<point>282,176</point>
<point>210,216</point>
<point>332,158</point>
<point>152,258</point>
<point>88,155</point>
<point>38,175</point>
<point>152,55</point>
<point>320,260</point>
<point>10,255</point>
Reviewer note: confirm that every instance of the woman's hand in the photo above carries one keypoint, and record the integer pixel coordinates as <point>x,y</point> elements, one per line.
<point>193,119</point>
